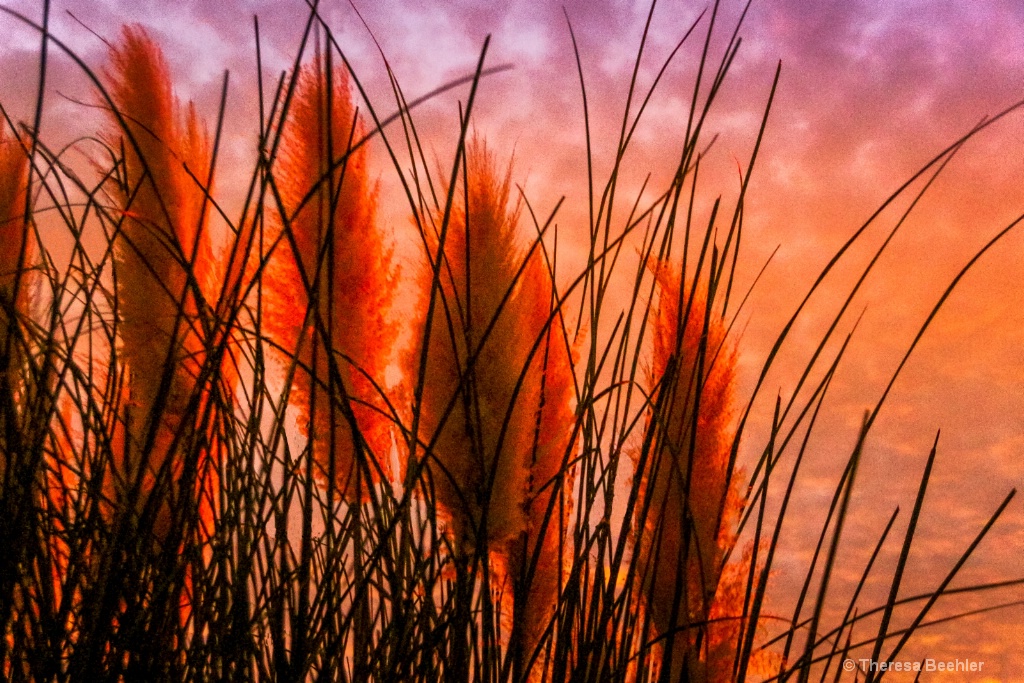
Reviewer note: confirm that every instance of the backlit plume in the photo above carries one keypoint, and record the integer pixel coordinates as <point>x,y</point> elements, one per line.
<point>550,392</point>
<point>330,284</point>
<point>468,395</point>
<point>15,285</point>
<point>499,434</point>
<point>690,508</point>
<point>162,232</point>
<point>16,249</point>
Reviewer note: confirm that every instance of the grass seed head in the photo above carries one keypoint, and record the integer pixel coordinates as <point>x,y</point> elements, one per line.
<point>331,281</point>
<point>685,482</point>
<point>163,245</point>
<point>16,252</point>
<point>481,433</point>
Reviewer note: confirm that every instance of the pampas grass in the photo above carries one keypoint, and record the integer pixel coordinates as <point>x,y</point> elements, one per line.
<point>479,434</point>
<point>162,235</point>
<point>545,488</point>
<point>687,508</point>
<point>331,284</point>
<point>538,559</point>
<point>15,257</point>
<point>497,407</point>
<point>15,303</point>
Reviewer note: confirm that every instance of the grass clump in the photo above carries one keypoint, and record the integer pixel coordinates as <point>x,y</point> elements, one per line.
<point>221,461</point>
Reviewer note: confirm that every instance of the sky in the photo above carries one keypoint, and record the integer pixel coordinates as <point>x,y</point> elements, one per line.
<point>869,93</point>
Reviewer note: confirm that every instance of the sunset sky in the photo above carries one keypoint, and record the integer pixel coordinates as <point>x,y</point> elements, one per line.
<point>870,91</point>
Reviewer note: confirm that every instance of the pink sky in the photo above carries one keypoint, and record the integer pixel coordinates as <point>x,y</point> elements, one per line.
<point>869,92</point>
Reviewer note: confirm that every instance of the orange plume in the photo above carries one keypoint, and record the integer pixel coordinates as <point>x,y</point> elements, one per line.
<point>163,241</point>
<point>17,248</point>
<point>550,392</point>
<point>497,401</point>
<point>162,206</point>
<point>468,395</point>
<point>333,263</point>
<point>15,259</point>
<point>685,481</point>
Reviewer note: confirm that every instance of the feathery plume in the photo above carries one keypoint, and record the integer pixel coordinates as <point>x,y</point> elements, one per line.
<point>550,391</point>
<point>15,261</point>
<point>497,397</point>
<point>684,484</point>
<point>468,393</point>
<point>331,281</point>
<point>15,302</point>
<point>16,253</point>
<point>726,621</point>
<point>163,241</point>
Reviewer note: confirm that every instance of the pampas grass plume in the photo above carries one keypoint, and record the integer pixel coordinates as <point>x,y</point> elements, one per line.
<point>466,405</point>
<point>163,239</point>
<point>337,248</point>
<point>161,205</point>
<point>13,236</point>
<point>550,391</point>
<point>15,286</point>
<point>686,482</point>
<point>499,411</point>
